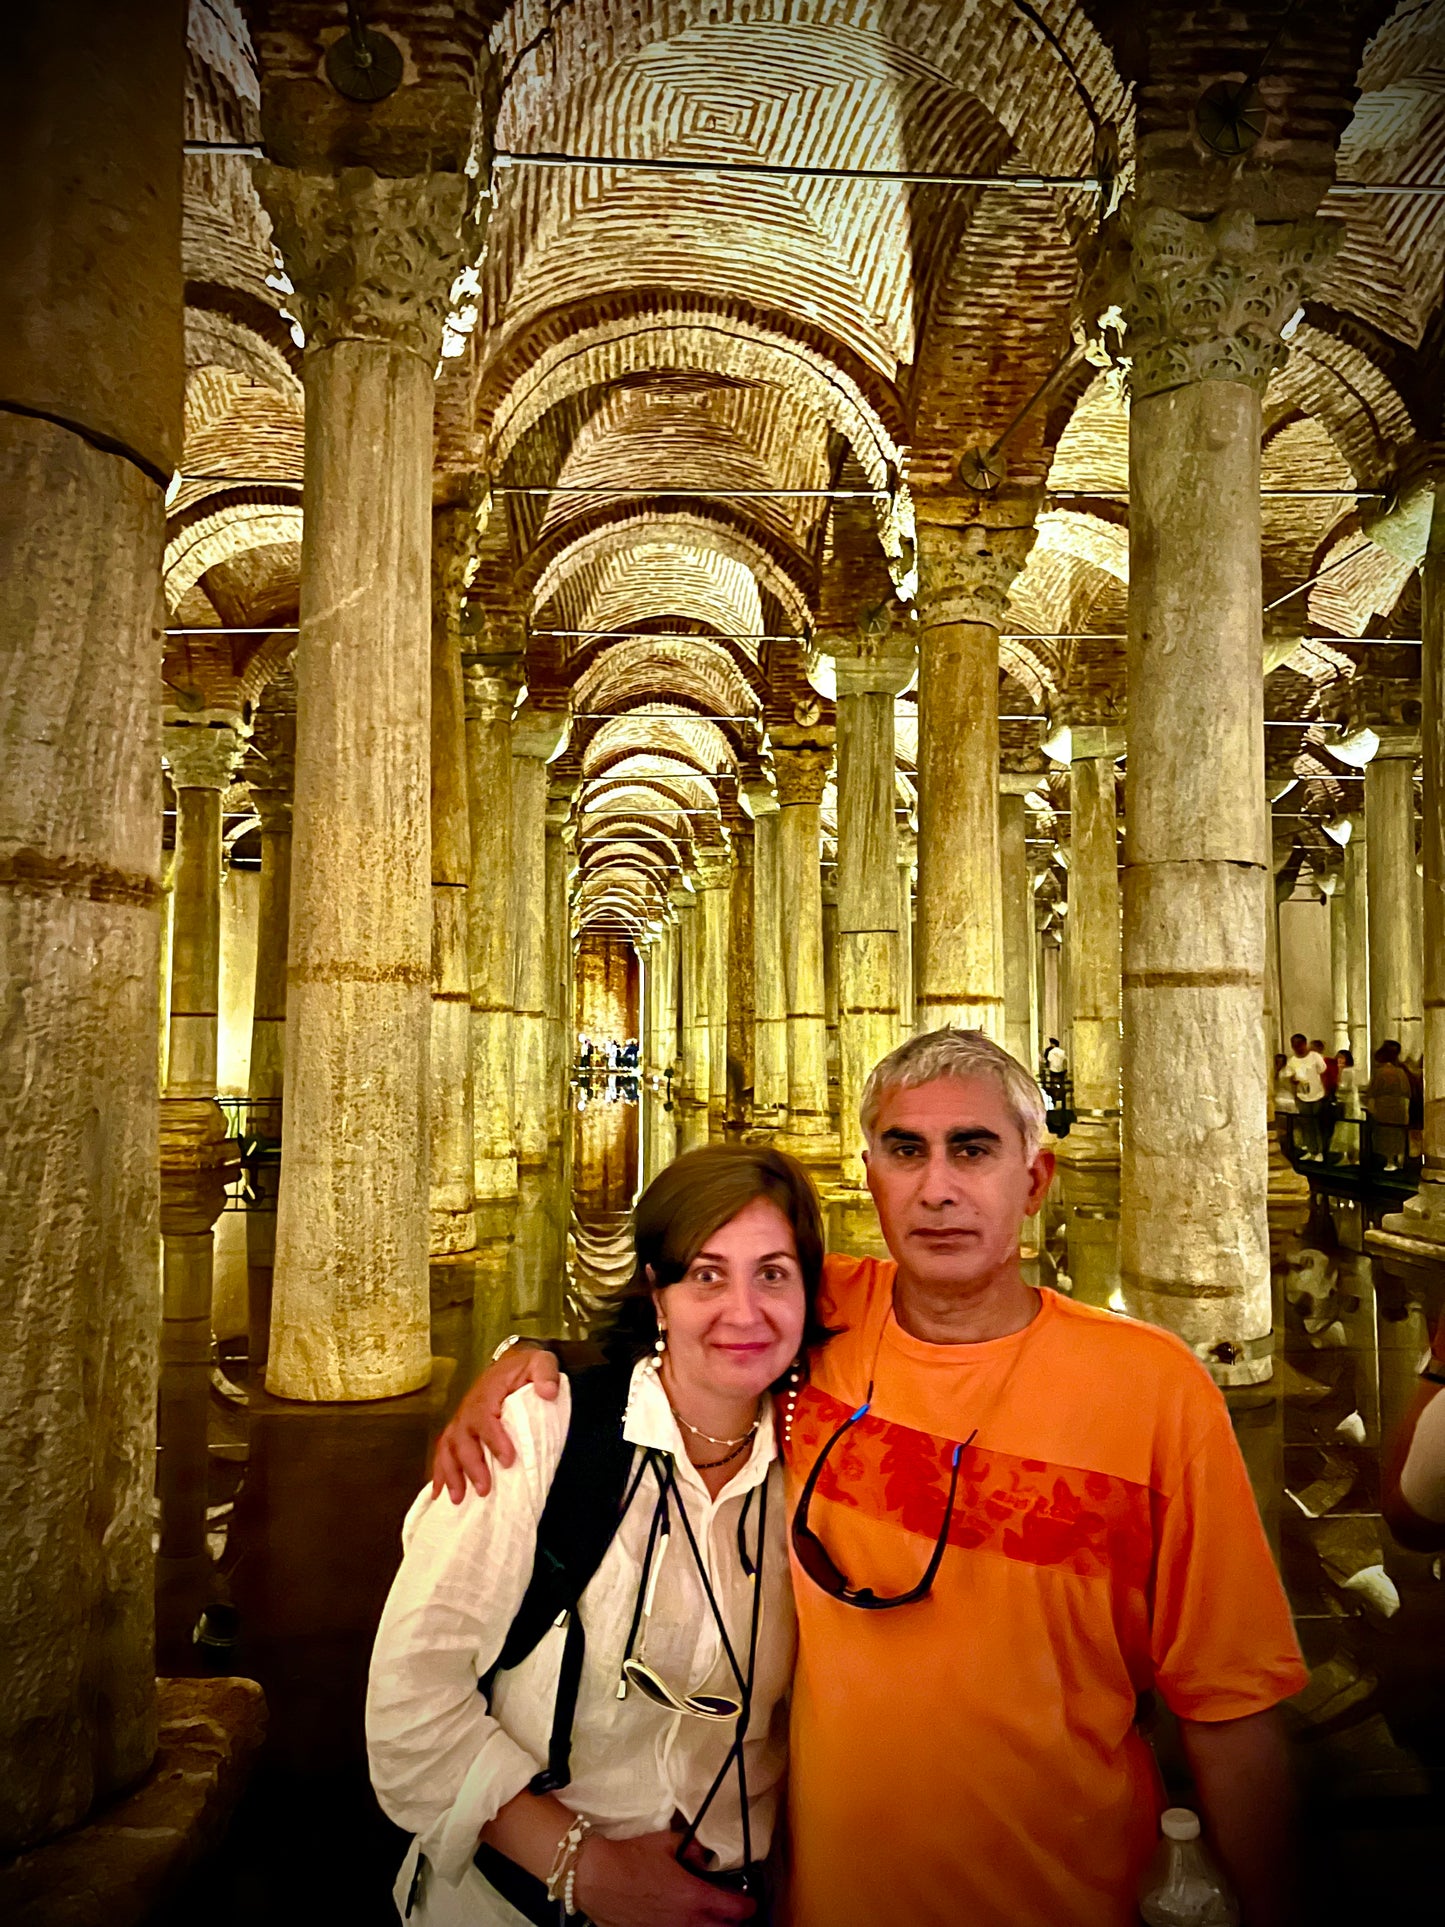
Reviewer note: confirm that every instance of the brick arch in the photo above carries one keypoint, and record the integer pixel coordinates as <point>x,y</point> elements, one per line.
<point>248,520</point>
<point>644,565</point>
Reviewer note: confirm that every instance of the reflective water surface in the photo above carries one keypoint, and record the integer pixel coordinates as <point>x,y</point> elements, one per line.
<point>277,1525</point>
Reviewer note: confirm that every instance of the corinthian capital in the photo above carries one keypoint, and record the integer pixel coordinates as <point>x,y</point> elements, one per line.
<point>201,757</point>
<point>490,685</point>
<point>1174,300</point>
<point>874,656</point>
<point>965,574</point>
<point>802,770</point>
<point>373,258</point>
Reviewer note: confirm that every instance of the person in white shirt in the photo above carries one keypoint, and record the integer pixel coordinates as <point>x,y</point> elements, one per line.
<point>681,1705</point>
<point>1306,1071</point>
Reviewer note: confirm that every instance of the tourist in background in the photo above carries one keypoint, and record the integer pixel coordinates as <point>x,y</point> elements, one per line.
<point>1347,1096</point>
<point>1387,1099</point>
<point>1307,1072</point>
<point>1285,1108</point>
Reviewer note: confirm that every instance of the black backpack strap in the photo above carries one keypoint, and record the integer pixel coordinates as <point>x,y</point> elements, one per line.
<point>578,1524</point>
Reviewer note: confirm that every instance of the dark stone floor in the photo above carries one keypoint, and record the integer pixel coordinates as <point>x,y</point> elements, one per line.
<point>291,1519</point>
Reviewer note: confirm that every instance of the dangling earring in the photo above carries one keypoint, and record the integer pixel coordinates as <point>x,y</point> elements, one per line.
<point>790,1403</point>
<point>659,1350</point>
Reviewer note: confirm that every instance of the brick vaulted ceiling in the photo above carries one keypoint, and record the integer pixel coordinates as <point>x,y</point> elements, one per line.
<point>652,350</point>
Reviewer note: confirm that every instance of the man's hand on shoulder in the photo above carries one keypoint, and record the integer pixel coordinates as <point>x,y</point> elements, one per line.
<point>476,1427</point>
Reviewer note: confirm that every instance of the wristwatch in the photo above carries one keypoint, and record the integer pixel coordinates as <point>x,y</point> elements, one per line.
<point>516,1338</point>
<point>1432,1367</point>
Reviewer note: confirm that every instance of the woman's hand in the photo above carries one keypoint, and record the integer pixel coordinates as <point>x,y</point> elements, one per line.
<point>638,1883</point>
<point>476,1426</point>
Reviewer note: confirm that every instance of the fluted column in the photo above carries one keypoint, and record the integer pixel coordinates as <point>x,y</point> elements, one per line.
<point>91,345</point>
<point>1424,1216</point>
<point>714,914</point>
<point>1395,964</point>
<point>1018,913</point>
<point>537,736</point>
<point>453,1220</point>
<point>802,775</point>
<point>1202,303</point>
<point>770,1017</point>
<point>270,773</point>
<point>490,682</point>
<point>964,578</point>
<point>872,666</point>
<point>372,260</point>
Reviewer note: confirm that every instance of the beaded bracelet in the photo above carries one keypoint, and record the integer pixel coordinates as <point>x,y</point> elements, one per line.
<point>562,1879</point>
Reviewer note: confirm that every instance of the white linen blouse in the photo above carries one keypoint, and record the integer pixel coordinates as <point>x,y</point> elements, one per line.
<point>443,1764</point>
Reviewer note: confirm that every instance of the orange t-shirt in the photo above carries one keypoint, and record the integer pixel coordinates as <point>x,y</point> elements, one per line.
<point>972,1760</point>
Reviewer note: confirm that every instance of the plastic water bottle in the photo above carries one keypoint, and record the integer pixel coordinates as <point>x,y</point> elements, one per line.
<point>1183,1887</point>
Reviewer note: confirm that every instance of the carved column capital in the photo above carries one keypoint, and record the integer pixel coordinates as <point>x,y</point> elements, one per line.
<point>876,656</point>
<point>1172,300</point>
<point>371,257</point>
<point>202,756</point>
<point>269,768</point>
<point>541,733</point>
<point>802,770</point>
<point>454,533</point>
<point>965,574</point>
<point>713,867</point>
<point>489,686</point>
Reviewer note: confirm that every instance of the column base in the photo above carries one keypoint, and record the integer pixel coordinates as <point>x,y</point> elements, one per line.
<point>1229,1360</point>
<point>129,1857</point>
<point>1420,1222</point>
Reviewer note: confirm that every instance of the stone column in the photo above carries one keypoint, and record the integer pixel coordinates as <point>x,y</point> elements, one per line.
<point>490,681</point>
<point>907,862</point>
<point>662,1055</point>
<point>1333,887</point>
<point>1357,913</point>
<point>802,775</point>
<point>1396,998</point>
<point>964,578</point>
<point>90,432</point>
<point>1093,939</point>
<point>1018,914</point>
<point>1278,854</point>
<point>372,259</point>
<point>830,979</point>
<point>1051,1023</point>
<point>714,914</point>
<point>740,973</point>
<point>871,669</point>
<point>537,736</point>
<point>203,762</point>
<point>1424,1216</point>
<point>770,1019</point>
<point>453,1220</point>
<point>270,773</point>
<point>561,840</point>
<point>1202,309</point>
<point>692,1002</point>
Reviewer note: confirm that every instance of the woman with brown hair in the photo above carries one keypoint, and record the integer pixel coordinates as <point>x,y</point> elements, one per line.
<point>619,1759</point>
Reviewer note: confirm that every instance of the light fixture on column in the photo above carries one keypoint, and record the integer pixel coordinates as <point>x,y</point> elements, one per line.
<point>362,64</point>
<point>1058,745</point>
<point>1356,747</point>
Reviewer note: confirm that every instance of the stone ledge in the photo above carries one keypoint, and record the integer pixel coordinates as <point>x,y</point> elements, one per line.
<point>1402,1245</point>
<point>115,1870</point>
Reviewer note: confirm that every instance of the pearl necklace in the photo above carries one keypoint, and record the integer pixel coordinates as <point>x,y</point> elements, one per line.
<point>698,1432</point>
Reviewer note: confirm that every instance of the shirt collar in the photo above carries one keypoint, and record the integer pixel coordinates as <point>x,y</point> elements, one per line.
<point>649,1423</point>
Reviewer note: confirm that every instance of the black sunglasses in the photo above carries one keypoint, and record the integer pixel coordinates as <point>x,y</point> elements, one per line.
<point>818,1563</point>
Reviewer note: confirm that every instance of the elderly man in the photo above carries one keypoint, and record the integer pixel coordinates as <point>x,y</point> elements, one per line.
<point>1011,1516</point>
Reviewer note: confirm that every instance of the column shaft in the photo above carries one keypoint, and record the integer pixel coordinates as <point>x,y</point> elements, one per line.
<point>1424,1215</point>
<point>491,687</point>
<point>741,995</point>
<point>1194,1234</point>
<point>453,1220</point>
<point>907,858</point>
<point>530,963</point>
<point>868,898</point>
<point>90,335</point>
<point>715,913</point>
<point>1339,964</point>
<point>559,969</point>
<point>1357,901</point>
<point>1395,964</point>
<point>964,578</point>
<point>351,1317</point>
<point>801,776</point>
<point>770,1022</point>
<point>1018,925</point>
<point>195,944</point>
